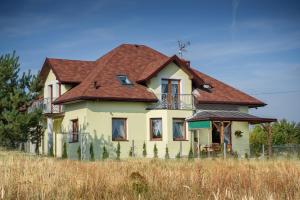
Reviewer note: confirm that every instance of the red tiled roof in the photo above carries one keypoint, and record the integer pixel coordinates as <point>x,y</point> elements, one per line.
<point>139,63</point>
<point>67,71</point>
<point>127,60</point>
<point>224,94</point>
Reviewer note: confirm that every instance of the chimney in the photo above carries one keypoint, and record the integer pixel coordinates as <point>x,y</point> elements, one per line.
<point>188,63</point>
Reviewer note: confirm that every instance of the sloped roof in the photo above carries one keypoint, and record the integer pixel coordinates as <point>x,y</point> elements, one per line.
<point>127,60</point>
<point>218,115</point>
<point>98,79</point>
<point>67,71</point>
<point>222,93</point>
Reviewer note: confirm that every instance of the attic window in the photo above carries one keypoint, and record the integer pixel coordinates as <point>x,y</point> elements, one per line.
<point>124,80</point>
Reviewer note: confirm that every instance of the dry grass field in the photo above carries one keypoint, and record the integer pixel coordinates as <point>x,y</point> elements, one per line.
<point>33,177</point>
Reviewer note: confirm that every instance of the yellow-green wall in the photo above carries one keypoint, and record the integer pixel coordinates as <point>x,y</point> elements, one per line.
<point>95,121</point>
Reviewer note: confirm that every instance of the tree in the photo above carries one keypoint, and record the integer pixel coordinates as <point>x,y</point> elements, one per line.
<point>155,151</point>
<point>92,152</point>
<point>144,150</point>
<point>16,94</point>
<point>65,153</point>
<point>105,154</point>
<point>118,151</point>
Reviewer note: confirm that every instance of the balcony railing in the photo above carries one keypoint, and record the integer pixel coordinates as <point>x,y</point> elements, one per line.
<point>46,105</point>
<point>173,102</point>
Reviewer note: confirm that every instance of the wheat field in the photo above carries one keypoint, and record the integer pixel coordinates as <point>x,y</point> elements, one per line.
<point>34,177</point>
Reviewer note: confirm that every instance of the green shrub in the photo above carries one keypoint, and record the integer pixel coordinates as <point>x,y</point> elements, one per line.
<point>144,150</point>
<point>155,151</point>
<point>65,154</point>
<point>51,151</point>
<point>178,155</point>
<point>92,158</point>
<point>167,156</point>
<point>79,152</point>
<point>118,152</point>
<point>191,154</point>
<point>105,154</point>
<point>131,152</point>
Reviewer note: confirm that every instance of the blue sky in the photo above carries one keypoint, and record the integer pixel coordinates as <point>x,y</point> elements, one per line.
<point>252,45</point>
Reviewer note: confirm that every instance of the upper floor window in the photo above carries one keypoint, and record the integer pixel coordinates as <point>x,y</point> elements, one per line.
<point>124,80</point>
<point>74,131</point>
<point>155,129</point>
<point>179,129</point>
<point>119,129</point>
<point>170,86</point>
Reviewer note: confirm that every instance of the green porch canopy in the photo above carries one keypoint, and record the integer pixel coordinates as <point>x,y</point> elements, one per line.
<point>199,124</point>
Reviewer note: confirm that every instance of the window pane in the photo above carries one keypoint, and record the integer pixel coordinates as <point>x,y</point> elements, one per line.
<point>118,129</point>
<point>178,129</point>
<point>156,126</point>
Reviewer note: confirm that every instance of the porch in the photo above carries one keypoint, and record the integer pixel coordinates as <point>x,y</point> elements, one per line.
<point>222,131</point>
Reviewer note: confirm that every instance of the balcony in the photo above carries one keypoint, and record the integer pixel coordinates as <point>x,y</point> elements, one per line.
<point>46,105</point>
<point>173,102</point>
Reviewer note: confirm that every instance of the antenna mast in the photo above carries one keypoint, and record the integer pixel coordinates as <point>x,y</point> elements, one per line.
<point>182,47</point>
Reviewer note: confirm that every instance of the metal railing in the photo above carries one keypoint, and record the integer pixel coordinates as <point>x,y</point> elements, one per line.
<point>46,105</point>
<point>173,102</point>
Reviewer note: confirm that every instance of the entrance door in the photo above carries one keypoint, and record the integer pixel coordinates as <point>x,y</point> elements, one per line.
<point>170,93</point>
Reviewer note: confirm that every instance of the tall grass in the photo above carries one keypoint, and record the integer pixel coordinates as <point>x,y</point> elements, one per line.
<point>31,177</point>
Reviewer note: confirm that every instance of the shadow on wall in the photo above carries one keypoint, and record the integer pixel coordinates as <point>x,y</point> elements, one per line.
<point>84,142</point>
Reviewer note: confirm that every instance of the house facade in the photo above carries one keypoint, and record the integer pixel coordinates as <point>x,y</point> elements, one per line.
<point>135,95</point>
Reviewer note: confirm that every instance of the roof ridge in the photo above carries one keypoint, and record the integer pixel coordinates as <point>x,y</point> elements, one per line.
<point>64,59</point>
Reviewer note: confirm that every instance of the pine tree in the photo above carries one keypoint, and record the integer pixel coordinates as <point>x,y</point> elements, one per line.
<point>65,154</point>
<point>105,154</point>
<point>144,150</point>
<point>16,94</point>
<point>92,152</point>
<point>167,156</point>
<point>155,151</point>
<point>118,151</point>
<point>79,152</point>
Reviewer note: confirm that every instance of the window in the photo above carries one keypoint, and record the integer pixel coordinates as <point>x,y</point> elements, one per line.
<point>179,129</point>
<point>156,129</point>
<point>124,80</point>
<point>119,129</point>
<point>74,131</point>
<point>170,89</point>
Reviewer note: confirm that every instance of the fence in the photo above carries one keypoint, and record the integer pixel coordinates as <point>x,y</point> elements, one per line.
<point>279,151</point>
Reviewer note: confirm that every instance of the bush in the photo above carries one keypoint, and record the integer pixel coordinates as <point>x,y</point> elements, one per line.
<point>167,156</point>
<point>92,152</point>
<point>65,154</point>
<point>191,154</point>
<point>178,155</point>
<point>105,154</point>
<point>155,151</point>
<point>79,152</point>
<point>118,152</point>
<point>144,150</point>
<point>51,151</point>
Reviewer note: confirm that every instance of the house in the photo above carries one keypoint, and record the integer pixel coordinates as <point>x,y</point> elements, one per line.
<point>134,95</point>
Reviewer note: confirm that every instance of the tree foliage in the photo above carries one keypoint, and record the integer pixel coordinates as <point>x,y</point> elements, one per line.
<point>16,93</point>
<point>284,132</point>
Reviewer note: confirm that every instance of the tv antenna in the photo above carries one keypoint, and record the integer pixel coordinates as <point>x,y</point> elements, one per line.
<point>182,47</point>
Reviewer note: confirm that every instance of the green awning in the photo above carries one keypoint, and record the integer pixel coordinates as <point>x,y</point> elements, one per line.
<point>199,124</point>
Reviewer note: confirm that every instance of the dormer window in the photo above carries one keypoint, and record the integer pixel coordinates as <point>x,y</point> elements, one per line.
<point>124,80</point>
<point>207,86</point>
